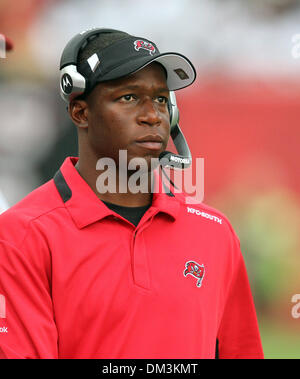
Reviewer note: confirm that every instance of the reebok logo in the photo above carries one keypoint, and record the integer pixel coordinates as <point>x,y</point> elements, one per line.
<point>3,329</point>
<point>205,215</point>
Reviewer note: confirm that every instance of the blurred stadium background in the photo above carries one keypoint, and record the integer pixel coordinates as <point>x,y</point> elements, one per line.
<point>242,116</point>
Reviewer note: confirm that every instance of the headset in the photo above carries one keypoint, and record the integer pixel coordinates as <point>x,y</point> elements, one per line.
<point>73,84</point>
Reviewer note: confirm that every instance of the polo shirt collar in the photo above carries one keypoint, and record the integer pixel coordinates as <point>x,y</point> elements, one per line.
<point>86,208</point>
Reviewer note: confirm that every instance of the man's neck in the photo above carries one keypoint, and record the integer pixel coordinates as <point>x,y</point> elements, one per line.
<point>118,195</point>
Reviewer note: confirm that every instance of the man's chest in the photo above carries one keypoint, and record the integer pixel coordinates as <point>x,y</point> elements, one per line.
<point>107,276</point>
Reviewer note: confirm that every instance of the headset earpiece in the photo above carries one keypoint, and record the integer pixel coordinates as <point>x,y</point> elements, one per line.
<point>72,83</point>
<point>173,110</point>
<point>184,158</point>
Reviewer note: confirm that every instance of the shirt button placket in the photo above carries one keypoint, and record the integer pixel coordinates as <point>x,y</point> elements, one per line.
<point>140,265</point>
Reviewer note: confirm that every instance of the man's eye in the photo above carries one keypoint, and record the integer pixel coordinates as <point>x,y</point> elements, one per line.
<point>127,97</point>
<point>162,99</point>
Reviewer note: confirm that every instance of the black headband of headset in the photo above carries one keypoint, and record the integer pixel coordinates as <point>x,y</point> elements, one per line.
<point>70,53</point>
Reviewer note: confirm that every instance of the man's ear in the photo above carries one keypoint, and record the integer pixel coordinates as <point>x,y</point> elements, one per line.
<point>78,111</point>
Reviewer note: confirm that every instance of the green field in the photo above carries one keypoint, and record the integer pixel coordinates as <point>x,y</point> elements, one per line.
<point>280,341</point>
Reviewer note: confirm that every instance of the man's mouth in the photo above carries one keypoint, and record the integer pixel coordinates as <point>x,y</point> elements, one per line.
<point>150,142</point>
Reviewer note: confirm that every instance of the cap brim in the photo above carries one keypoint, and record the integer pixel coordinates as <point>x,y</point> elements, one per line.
<point>180,71</point>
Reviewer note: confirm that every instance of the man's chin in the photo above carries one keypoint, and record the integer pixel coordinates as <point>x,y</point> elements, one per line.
<point>143,164</point>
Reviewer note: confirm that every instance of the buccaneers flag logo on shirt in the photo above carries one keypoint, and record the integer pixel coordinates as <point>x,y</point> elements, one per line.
<point>197,271</point>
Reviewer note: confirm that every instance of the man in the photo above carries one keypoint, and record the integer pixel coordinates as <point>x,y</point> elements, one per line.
<point>86,273</point>
<point>8,46</point>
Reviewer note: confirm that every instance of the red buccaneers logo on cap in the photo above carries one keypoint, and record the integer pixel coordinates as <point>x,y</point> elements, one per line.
<point>196,270</point>
<point>140,44</point>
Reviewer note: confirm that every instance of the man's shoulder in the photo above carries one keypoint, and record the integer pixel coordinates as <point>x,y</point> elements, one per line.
<point>202,211</point>
<point>41,201</point>
<point>194,206</point>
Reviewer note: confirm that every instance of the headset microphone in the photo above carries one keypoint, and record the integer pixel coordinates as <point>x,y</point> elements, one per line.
<point>184,158</point>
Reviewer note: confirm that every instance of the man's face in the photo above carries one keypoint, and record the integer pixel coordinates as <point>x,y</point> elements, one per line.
<point>130,114</point>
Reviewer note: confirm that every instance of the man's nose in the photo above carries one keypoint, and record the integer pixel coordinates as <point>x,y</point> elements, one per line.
<point>149,114</point>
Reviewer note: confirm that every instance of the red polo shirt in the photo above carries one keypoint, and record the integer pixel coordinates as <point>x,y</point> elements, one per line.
<point>79,281</point>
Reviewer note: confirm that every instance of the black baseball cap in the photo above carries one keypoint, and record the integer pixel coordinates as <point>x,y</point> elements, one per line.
<point>130,54</point>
